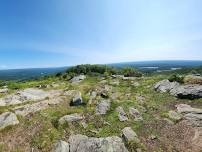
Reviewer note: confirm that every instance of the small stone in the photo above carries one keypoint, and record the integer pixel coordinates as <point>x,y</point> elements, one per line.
<point>122,114</point>
<point>77,100</point>
<point>129,135</point>
<point>135,113</point>
<point>70,118</point>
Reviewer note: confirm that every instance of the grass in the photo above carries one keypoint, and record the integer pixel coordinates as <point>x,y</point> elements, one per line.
<point>156,105</point>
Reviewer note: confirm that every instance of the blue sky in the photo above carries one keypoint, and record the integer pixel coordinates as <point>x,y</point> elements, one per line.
<point>47,33</point>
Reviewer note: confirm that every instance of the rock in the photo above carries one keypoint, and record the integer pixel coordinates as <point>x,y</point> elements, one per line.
<point>78,79</point>
<point>80,143</point>
<point>92,94</point>
<point>135,113</point>
<point>61,146</point>
<point>115,83</point>
<point>187,91</point>
<point>193,115</point>
<point>70,118</point>
<point>129,135</point>
<point>184,108</point>
<point>115,95</point>
<point>129,78</point>
<point>3,91</point>
<point>135,84</point>
<point>8,119</point>
<point>103,106</point>
<point>122,114</point>
<point>32,108</point>
<point>77,100</point>
<point>165,86</point>
<point>29,94</point>
<point>140,98</point>
<point>174,115</point>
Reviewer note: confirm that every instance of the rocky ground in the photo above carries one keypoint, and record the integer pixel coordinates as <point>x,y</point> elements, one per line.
<point>98,114</point>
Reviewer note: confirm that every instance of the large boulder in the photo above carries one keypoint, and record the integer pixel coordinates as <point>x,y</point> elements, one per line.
<point>165,86</point>
<point>7,119</point>
<point>61,146</point>
<point>78,79</point>
<point>81,143</point>
<point>70,118</point>
<point>103,106</point>
<point>187,91</point>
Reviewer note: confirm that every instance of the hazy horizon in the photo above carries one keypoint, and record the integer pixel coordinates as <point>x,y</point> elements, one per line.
<point>49,33</point>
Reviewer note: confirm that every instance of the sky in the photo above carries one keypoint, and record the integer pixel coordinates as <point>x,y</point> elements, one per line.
<point>53,33</point>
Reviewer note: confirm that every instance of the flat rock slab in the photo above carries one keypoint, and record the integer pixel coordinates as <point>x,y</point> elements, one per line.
<point>70,118</point>
<point>41,105</point>
<point>165,86</point>
<point>8,119</point>
<point>29,94</point>
<point>135,114</point>
<point>81,143</point>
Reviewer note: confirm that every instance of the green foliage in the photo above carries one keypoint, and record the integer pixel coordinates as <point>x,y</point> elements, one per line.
<point>97,70</point>
<point>131,72</point>
<point>176,78</point>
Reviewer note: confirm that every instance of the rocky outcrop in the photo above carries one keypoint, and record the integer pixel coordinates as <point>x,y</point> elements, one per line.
<point>29,94</point>
<point>81,143</point>
<point>129,135</point>
<point>187,91</point>
<point>122,115</point>
<point>165,86</point>
<point>61,146</point>
<point>135,114</point>
<point>103,106</point>
<point>181,91</point>
<point>70,118</point>
<point>8,119</point>
<point>78,79</point>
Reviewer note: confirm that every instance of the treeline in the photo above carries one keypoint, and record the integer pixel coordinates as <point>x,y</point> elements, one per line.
<point>96,70</point>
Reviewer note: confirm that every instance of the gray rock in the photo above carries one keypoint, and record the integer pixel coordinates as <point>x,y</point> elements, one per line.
<point>166,86</point>
<point>174,115</point>
<point>187,91</point>
<point>184,108</point>
<point>78,79</point>
<point>3,91</point>
<point>8,119</point>
<point>61,146</point>
<point>122,114</point>
<point>70,118</point>
<point>135,84</point>
<point>193,115</point>
<point>29,94</point>
<point>80,143</point>
<point>135,113</point>
<point>129,135</point>
<point>103,106</point>
<point>77,100</point>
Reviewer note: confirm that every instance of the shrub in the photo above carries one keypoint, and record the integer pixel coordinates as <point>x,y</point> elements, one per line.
<point>131,72</point>
<point>176,78</point>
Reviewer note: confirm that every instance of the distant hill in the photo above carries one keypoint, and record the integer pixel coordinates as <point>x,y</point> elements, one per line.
<point>25,74</point>
<point>144,66</point>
